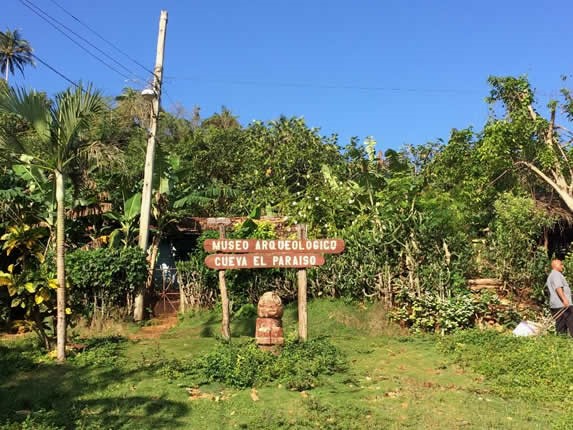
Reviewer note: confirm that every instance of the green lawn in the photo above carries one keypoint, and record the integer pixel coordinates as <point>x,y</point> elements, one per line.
<point>394,381</point>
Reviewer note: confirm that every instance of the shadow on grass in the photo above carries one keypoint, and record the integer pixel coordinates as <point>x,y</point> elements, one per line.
<point>15,359</point>
<point>242,326</point>
<point>211,326</point>
<point>74,395</point>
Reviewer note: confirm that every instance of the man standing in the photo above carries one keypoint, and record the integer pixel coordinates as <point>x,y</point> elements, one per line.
<point>560,298</point>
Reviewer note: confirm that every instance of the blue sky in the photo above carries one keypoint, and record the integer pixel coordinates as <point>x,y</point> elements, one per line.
<point>404,72</point>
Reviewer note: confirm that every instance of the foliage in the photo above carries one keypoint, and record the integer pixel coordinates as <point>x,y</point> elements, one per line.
<point>298,365</point>
<point>247,286</point>
<point>29,286</point>
<point>15,52</point>
<point>421,218</point>
<point>105,278</point>
<point>127,221</point>
<point>434,314</point>
<point>56,142</point>
<point>513,253</point>
<point>198,283</point>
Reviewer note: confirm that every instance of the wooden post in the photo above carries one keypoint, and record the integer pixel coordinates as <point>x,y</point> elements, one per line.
<point>301,232</point>
<point>225,323</point>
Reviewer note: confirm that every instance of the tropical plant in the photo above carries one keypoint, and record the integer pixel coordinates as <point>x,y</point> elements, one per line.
<point>56,143</point>
<point>26,280</point>
<point>15,52</point>
<point>127,221</point>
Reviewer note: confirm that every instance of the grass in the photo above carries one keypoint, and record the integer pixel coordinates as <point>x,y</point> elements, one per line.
<point>394,381</point>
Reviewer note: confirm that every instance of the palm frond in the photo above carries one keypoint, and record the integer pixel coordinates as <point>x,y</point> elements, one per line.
<point>73,112</point>
<point>30,106</point>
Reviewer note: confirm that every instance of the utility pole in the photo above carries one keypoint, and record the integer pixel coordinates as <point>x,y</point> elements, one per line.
<point>150,154</point>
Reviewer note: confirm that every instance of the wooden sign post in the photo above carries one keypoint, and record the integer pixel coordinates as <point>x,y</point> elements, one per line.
<point>222,223</point>
<point>301,232</point>
<point>226,322</point>
<point>232,254</point>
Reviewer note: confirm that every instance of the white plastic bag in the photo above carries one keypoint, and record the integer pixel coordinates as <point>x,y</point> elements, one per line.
<point>528,328</point>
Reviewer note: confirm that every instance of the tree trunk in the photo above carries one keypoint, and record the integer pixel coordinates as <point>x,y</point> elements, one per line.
<point>60,267</point>
<point>7,68</point>
<point>138,306</point>
<point>559,185</point>
<point>152,260</point>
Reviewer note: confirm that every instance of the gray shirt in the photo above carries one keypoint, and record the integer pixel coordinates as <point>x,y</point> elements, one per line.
<point>557,280</point>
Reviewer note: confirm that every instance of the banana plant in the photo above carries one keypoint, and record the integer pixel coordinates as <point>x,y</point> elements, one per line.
<point>127,219</point>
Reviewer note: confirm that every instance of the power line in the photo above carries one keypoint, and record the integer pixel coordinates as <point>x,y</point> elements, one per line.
<point>102,38</point>
<point>168,96</point>
<point>39,12</point>
<point>56,71</point>
<point>321,86</point>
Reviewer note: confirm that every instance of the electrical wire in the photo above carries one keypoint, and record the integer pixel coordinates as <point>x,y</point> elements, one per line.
<point>57,72</point>
<point>102,38</point>
<point>46,17</point>
<point>168,96</point>
<point>321,86</point>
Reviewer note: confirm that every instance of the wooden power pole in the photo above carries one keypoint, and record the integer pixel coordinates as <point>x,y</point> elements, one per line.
<point>150,155</point>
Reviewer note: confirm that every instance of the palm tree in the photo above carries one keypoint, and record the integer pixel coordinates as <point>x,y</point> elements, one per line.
<point>57,144</point>
<point>223,120</point>
<point>14,52</point>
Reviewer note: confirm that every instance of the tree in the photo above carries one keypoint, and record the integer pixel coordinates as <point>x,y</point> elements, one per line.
<point>524,138</point>
<point>223,120</point>
<point>56,142</point>
<point>14,52</point>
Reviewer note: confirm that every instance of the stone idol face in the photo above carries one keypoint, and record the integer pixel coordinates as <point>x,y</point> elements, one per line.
<point>270,306</point>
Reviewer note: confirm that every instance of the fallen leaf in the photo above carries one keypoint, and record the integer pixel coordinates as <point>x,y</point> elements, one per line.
<point>254,395</point>
<point>196,394</point>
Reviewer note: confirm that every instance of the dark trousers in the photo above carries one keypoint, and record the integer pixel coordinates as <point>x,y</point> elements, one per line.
<point>564,324</point>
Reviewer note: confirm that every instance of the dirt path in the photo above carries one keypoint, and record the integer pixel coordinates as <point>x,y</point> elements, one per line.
<point>156,328</point>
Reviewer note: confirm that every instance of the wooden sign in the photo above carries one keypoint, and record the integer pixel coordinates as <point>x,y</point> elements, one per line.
<point>218,221</point>
<point>319,246</point>
<point>263,261</point>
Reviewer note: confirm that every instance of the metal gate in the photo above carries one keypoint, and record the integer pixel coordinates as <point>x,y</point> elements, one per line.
<point>167,290</point>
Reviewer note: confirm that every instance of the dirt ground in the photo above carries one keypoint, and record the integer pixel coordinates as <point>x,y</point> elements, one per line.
<point>157,326</point>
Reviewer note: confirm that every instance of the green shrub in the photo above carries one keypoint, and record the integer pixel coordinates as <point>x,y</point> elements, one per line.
<point>298,365</point>
<point>431,313</point>
<point>104,278</point>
